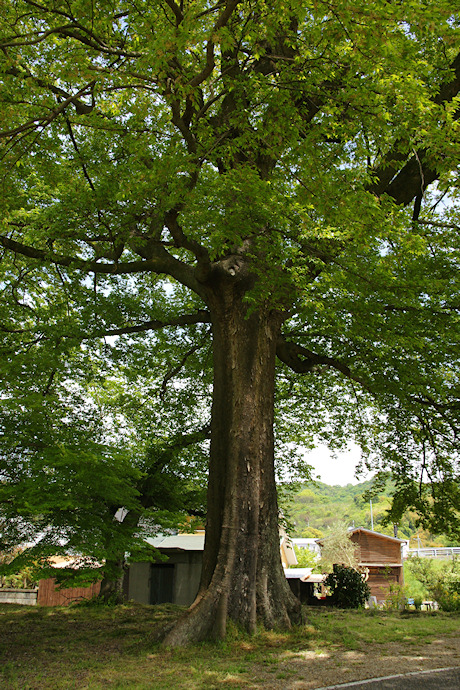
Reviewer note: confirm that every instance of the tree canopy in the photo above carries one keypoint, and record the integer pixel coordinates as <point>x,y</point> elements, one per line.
<point>93,464</point>
<point>284,171</point>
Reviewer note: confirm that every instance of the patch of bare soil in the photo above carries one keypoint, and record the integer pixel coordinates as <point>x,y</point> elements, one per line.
<point>307,670</point>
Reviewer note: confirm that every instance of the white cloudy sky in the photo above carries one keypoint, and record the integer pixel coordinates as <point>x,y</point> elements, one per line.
<point>335,470</point>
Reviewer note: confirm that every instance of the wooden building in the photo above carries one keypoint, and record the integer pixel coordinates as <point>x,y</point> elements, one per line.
<point>381,555</point>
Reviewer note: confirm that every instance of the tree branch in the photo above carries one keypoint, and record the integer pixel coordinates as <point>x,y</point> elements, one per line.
<point>303,361</point>
<point>438,224</point>
<point>201,316</point>
<point>403,184</point>
<point>177,11</point>
<point>82,108</point>
<point>160,262</point>
<point>175,370</point>
<point>221,21</point>
<point>44,121</point>
<point>75,31</point>
<point>181,240</point>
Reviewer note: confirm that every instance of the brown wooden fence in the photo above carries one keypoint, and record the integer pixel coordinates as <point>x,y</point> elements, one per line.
<point>48,595</point>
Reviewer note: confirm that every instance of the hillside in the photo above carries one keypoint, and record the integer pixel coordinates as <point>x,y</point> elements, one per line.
<point>316,506</point>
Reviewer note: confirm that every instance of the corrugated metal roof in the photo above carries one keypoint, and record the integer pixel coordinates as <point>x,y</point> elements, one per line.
<point>303,574</point>
<point>297,572</point>
<point>183,542</point>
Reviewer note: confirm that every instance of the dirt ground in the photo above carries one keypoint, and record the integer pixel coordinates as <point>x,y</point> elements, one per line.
<point>308,670</point>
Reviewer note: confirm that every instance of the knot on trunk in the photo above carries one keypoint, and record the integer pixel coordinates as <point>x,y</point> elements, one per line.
<point>234,265</point>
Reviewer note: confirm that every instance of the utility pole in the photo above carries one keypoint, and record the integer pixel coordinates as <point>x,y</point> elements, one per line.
<point>372,517</point>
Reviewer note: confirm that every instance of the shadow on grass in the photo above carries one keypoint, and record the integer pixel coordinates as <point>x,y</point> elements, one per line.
<point>118,647</point>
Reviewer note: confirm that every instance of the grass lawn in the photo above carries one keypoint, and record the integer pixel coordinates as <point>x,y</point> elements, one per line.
<point>102,647</point>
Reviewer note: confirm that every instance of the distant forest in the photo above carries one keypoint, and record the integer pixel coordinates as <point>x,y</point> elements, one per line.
<point>317,506</point>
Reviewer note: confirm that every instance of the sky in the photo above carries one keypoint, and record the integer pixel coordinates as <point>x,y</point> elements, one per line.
<point>335,470</point>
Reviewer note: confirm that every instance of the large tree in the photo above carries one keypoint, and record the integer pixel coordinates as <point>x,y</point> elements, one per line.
<point>262,158</point>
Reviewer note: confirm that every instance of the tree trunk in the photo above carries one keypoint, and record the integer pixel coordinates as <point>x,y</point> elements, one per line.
<point>242,576</point>
<point>112,582</point>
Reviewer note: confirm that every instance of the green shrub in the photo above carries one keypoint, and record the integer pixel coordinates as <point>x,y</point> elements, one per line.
<point>418,603</point>
<point>395,598</point>
<point>305,558</point>
<point>448,595</point>
<point>441,580</point>
<point>449,601</point>
<point>415,588</point>
<point>348,589</point>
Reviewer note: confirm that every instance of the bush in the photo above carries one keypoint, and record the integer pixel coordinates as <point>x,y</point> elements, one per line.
<point>395,598</point>
<point>415,585</point>
<point>305,558</point>
<point>348,589</point>
<point>442,581</point>
<point>19,578</point>
<point>449,601</point>
<point>418,603</point>
<point>337,547</point>
<point>448,595</point>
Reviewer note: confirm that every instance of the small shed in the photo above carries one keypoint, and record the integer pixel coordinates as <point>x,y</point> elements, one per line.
<point>381,555</point>
<point>305,584</point>
<point>176,579</point>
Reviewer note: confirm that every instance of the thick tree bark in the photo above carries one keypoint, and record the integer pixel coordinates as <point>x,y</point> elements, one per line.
<point>112,584</point>
<point>242,575</point>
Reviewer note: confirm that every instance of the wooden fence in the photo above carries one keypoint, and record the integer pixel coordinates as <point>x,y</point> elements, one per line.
<point>48,595</point>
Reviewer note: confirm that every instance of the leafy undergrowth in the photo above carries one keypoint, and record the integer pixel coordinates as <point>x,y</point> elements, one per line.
<point>103,647</point>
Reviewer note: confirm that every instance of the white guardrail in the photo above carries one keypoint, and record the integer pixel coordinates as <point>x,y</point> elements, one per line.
<point>436,552</point>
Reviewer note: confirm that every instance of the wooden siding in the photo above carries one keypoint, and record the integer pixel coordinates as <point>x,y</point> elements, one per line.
<point>380,579</point>
<point>48,595</point>
<point>376,549</point>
